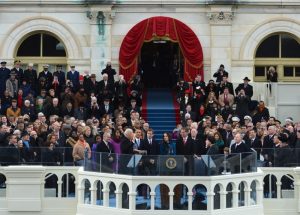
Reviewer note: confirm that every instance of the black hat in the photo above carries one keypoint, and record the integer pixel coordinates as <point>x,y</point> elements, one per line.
<point>246,79</point>
<point>222,65</point>
<point>14,100</point>
<point>3,62</point>
<point>17,61</point>
<point>13,73</point>
<point>58,65</point>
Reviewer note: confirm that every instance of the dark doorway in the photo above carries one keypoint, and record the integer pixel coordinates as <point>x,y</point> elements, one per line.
<point>161,63</point>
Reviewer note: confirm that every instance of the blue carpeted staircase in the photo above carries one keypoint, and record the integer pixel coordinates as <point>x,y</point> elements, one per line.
<point>160,111</point>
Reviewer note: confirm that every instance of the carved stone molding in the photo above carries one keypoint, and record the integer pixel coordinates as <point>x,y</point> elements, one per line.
<point>220,18</point>
<point>96,16</point>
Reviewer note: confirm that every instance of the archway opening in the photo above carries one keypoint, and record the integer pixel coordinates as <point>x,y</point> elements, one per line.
<point>39,48</point>
<point>161,29</point>
<point>163,59</point>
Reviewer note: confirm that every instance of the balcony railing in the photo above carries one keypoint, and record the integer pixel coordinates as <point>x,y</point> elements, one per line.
<point>171,165</point>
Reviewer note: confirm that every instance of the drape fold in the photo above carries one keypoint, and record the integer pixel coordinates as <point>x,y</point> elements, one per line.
<point>161,28</point>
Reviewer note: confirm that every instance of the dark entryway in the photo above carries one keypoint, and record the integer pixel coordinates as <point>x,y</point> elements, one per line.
<point>161,63</point>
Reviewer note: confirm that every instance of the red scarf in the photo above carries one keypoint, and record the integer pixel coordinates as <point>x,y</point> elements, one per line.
<point>20,101</point>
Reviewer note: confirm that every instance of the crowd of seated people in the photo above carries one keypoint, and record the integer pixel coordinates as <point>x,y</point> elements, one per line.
<point>58,118</point>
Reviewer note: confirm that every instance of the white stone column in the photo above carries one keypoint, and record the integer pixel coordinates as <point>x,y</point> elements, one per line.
<point>171,200</point>
<point>152,194</point>
<point>223,199</point>
<point>105,198</point>
<point>23,188</point>
<point>132,204</point>
<point>59,192</point>
<point>210,200</point>
<point>190,202</point>
<point>220,18</point>
<point>278,184</point>
<point>100,37</point>
<point>80,195</point>
<point>235,198</point>
<point>247,196</point>
<point>259,195</point>
<point>93,195</point>
<point>118,199</point>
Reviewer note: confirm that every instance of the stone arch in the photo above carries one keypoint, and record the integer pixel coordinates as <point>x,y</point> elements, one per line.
<point>230,188</point>
<point>56,27</point>
<point>257,34</point>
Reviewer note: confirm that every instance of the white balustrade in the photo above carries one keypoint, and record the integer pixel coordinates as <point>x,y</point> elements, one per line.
<point>185,186</point>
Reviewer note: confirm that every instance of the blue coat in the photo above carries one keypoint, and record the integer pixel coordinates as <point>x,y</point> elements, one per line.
<point>4,75</point>
<point>74,78</point>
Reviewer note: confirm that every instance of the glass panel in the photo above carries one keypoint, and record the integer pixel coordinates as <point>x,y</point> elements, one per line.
<point>297,71</point>
<point>260,71</point>
<point>288,71</point>
<point>269,47</point>
<point>30,46</point>
<point>52,47</point>
<point>289,47</point>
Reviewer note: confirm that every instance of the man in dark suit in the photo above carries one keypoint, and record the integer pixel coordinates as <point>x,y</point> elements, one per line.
<point>61,76</point>
<point>188,110</point>
<point>30,76</point>
<point>91,85</point>
<point>198,83</point>
<point>110,73</point>
<point>106,108</point>
<point>225,84</point>
<point>246,86</point>
<point>220,73</point>
<point>184,146</point>
<point>239,146</point>
<point>253,142</point>
<point>46,75</point>
<point>152,147</point>
<point>4,75</point>
<point>105,85</point>
<point>18,71</point>
<point>73,77</point>
<point>106,149</point>
<point>126,151</point>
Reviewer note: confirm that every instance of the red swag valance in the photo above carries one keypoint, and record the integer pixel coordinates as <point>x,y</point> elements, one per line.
<point>161,27</point>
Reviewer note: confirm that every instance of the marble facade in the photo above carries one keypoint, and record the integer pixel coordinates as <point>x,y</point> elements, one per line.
<point>92,31</point>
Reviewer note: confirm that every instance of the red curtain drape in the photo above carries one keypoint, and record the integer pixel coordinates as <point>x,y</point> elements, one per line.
<point>161,27</point>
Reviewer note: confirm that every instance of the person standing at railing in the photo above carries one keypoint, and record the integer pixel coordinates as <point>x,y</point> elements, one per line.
<point>268,144</point>
<point>272,77</point>
<point>106,152</point>
<point>282,152</point>
<point>79,151</point>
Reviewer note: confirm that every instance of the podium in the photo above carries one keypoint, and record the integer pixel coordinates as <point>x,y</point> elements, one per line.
<point>171,165</point>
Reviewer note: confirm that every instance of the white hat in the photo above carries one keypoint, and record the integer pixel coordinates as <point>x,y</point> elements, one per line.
<point>247,117</point>
<point>289,119</point>
<point>46,66</point>
<point>187,116</point>
<point>235,119</point>
<point>40,114</point>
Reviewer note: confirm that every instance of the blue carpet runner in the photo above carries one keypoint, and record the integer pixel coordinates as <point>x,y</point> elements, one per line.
<point>160,111</point>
